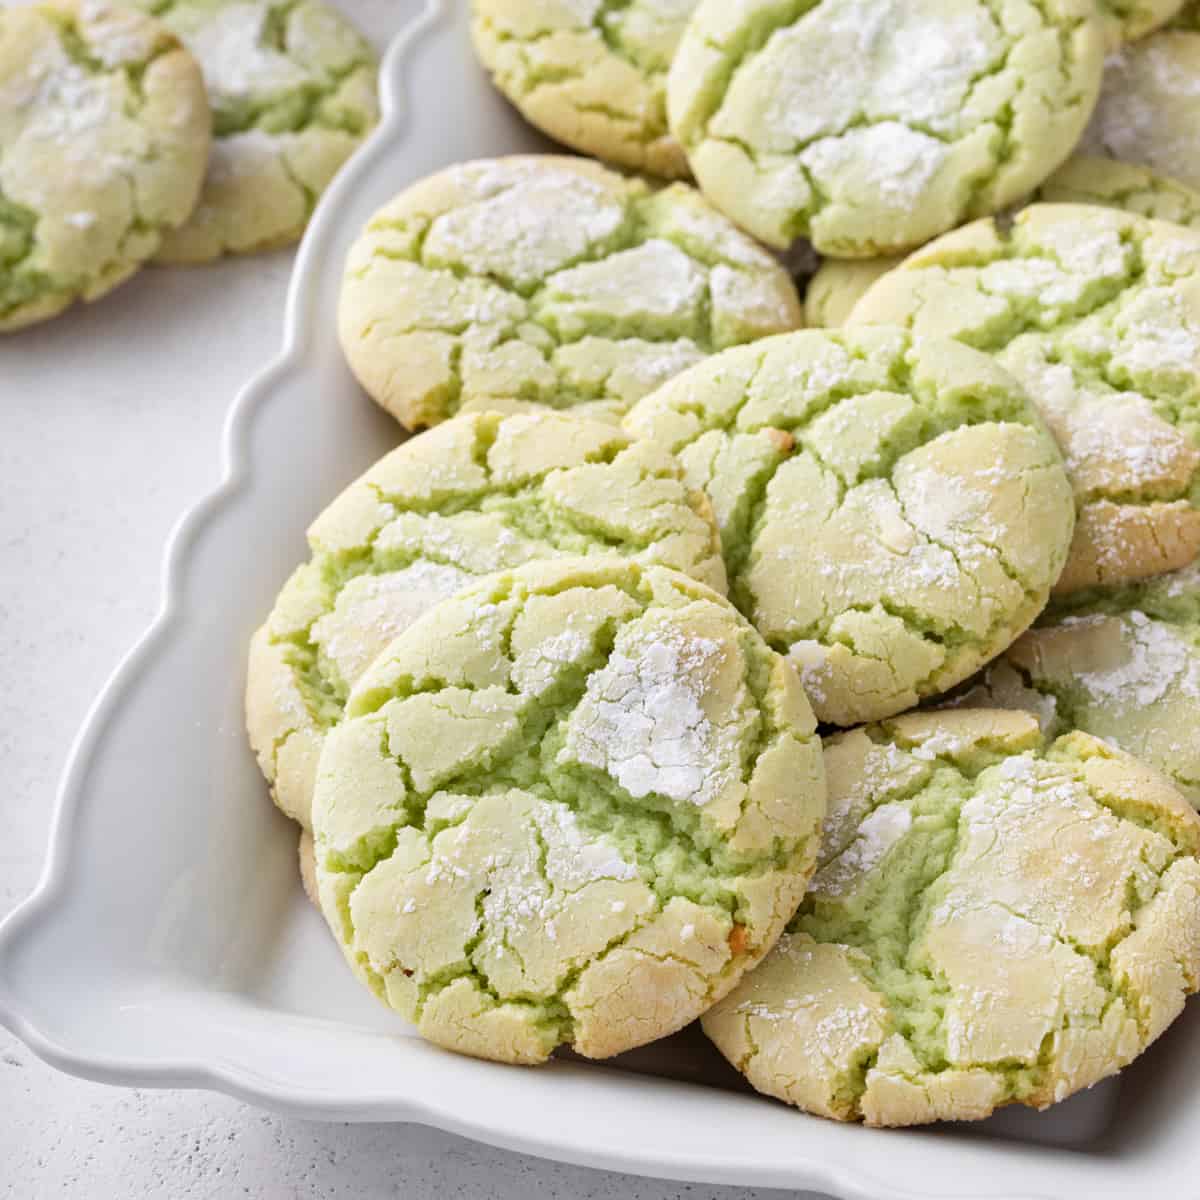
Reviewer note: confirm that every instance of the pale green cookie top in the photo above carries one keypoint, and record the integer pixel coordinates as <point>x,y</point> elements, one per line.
<point>292,86</point>
<point>1089,179</point>
<point>1130,19</point>
<point>870,126</point>
<point>103,140</point>
<point>571,805</point>
<point>893,512</point>
<point>1097,312</point>
<point>591,73</point>
<point>547,280</point>
<point>1123,664</point>
<point>994,920</point>
<point>477,494</point>
<point>1150,105</point>
<point>838,286</point>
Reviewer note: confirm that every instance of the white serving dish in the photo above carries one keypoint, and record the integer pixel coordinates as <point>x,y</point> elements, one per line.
<point>168,943</point>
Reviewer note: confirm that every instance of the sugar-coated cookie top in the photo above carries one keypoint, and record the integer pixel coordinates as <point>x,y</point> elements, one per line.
<point>1097,312</point>
<point>1091,179</point>
<point>1149,106</point>
<point>591,74</point>
<point>1122,664</point>
<point>994,920</point>
<point>292,85</point>
<point>572,804</point>
<point>104,135</point>
<point>873,125</point>
<point>480,493</point>
<point>549,280</point>
<point>893,513</point>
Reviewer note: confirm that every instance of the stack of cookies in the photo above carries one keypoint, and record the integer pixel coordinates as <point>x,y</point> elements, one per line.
<point>176,131</point>
<point>838,687</point>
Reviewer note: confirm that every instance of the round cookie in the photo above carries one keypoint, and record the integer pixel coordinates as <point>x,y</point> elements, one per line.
<point>591,75</point>
<point>1097,312</point>
<point>839,284</point>
<point>995,920</point>
<point>292,87</point>
<point>478,494</point>
<point>571,806</point>
<point>1088,179</point>
<point>1149,107</point>
<point>547,280</point>
<point>1122,665</point>
<point>893,513</point>
<point>103,139</point>
<point>873,126</point>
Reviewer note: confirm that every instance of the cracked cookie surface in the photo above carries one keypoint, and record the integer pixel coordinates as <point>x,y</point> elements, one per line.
<point>839,284</point>
<point>870,127</point>
<point>1122,664</point>
<point>293,91</point>
<point>1097,312</point>
<point>1090,179</point>
<point>570,806</point>
<point>103,140</point>
<point>593,75</point>
<point>893,512</point>
<point>547,280</point>
<point>994,920</point>
<point>1149,106</point>
<point>479,494</point>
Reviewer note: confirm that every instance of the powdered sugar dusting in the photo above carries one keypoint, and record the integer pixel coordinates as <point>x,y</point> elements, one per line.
<point>877,834</point>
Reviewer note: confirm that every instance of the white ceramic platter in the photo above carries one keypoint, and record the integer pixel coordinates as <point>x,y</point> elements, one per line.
<point>168,943</point>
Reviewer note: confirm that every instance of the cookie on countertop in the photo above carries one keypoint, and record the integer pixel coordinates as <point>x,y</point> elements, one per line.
<point>839,284</point>
<point>547,280</point>
<point>1097,312</point>
<point>870,126</point>
<point>293,90</point>
<point>1150,105</point>
<point>995,920</point>
<point>104,134</point>
<point>591,75</point>
<point>478,494</point>
<point>571,806</point>
<point>1122,665</point>
<point>893,511</point>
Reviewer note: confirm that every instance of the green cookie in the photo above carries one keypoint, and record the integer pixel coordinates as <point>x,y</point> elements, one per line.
<point>1088,179</point>
<point>870,126</point>
<point>1149,107</point>
<point>592,75</point>
<point>1097,312</point>
<point>893,512</point>
<point>292,86</point>
<point>551,281</point>
<point>103,140</point>
<point>839,284</point>
<point>476,495</point>
<point>1123,665</point>
<point>572,805</point>
<point>995,920</point>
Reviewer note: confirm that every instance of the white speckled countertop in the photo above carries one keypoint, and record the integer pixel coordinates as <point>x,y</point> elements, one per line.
<point>96,467</point>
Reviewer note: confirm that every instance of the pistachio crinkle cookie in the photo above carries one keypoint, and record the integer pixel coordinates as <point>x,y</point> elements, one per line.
<point>293,92</point>
<point>103,139</point>
<point>839,284</point>
<point>1090,179</point>
<point>1150,105</point>
<point>547,280</point>
<point>592,74</point>
<point>994,920</point>
<point>870,126</point>
<point>893,513</point>
<point>1121,664</point>
<point>476,495</point>
<point>1097,312</point>
<point>571,805</point>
